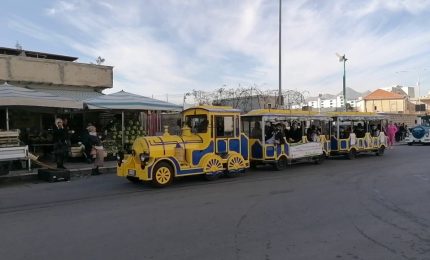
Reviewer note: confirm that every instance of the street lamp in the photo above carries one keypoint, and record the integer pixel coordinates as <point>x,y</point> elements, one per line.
<point>343,59</point>
<point>280,60</point>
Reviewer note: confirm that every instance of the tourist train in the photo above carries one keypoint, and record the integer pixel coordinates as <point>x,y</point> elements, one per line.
<point>218,140</point>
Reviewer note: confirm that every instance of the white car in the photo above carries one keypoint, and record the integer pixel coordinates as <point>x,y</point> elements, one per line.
<point>418,135</point>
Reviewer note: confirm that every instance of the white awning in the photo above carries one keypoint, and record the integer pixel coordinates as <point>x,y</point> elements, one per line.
<point>12,96</point>
<point>128,101</point>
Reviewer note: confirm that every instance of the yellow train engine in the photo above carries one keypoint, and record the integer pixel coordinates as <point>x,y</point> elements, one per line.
<point>211,144</point>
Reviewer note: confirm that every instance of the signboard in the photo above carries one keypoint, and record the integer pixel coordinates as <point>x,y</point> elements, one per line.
<point>305,150</point>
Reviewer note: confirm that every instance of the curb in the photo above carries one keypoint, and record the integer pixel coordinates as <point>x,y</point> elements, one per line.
<point>74,174</point>
<point>78,173</point>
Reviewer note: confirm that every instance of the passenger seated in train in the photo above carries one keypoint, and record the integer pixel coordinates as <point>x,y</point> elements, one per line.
<point>269,133</point>
<point>294,135</point>
<point>311,133</point>
<point>359,131</point>
<point>256,132</point>
<point>374,131</point>
<point>279,134</point>
<point>345,132</point>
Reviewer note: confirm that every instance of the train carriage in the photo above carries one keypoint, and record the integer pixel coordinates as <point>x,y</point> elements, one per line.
<point>302,136</point>
<point>211,144</point>
<point>357,132</point>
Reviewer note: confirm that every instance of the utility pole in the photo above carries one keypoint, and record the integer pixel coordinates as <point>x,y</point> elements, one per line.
<point>343,59</point>
<point>280,54</point>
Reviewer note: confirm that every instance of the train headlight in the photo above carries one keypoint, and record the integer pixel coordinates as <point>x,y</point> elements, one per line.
<point>144,157</point>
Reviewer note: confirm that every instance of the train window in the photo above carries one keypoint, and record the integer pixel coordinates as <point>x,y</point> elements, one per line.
<point>251,126</point>
<point>224,126</point>
<point>197,123</point>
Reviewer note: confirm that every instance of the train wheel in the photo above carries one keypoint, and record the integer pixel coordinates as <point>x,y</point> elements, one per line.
<point>380,151</point>
<point>163,175</point>
<point>281,164</point>
<point>352,154</point>
<point>235,165</point>
<point>320,159</point>
<point>212,167</point>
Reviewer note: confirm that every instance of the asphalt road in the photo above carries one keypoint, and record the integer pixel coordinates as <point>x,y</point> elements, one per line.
<point>368,208</point>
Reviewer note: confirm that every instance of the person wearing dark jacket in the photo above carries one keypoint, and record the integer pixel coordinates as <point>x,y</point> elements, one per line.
<point>60,143</point>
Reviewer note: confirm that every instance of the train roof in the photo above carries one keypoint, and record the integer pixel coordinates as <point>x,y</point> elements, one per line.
<point>215,109</point>
<point>291,114</point>
<point>280,112</point>
<point>356,115</point>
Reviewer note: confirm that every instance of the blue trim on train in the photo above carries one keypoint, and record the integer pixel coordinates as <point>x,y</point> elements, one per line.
<point>234,145</point>
<point>221,146</point>
<point>244,146</point>
<point>185,171</point>
<point>287,149</point>
<point>343,144</point>
<point>198,154</point>
<point>333,143</point>
<point>257,151</point>
<point>278,150</point>
<point>270,151</point>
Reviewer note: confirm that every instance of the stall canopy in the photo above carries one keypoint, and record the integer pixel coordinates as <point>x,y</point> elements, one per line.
<point>128,101</point>
<point>123,101</point>
<point>12,96</point>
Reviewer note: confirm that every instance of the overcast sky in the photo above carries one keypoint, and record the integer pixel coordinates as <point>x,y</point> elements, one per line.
<point>160,47</point>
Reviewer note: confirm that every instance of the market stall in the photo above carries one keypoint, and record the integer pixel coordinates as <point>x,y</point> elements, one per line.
<point>122,132</point>
<point>30,109</point>
<point>12,96</point>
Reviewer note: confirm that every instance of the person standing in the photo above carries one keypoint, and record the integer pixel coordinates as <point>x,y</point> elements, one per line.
<point>85,138</point>
<point>60,143</point>
<point>97,150</point>
<point>391,134</point>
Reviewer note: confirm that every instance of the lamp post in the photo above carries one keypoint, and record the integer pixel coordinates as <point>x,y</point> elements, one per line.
<point>343,59</point>
<point>280,60</point>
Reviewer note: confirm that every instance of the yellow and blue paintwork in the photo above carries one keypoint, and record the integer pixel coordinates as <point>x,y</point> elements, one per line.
<point>204,152</point>
<point>262,152</point>
<point>353,144</point>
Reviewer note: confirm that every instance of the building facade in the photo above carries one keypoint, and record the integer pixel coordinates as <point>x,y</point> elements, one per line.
<point>381,101</point>
<point>57,74</point>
